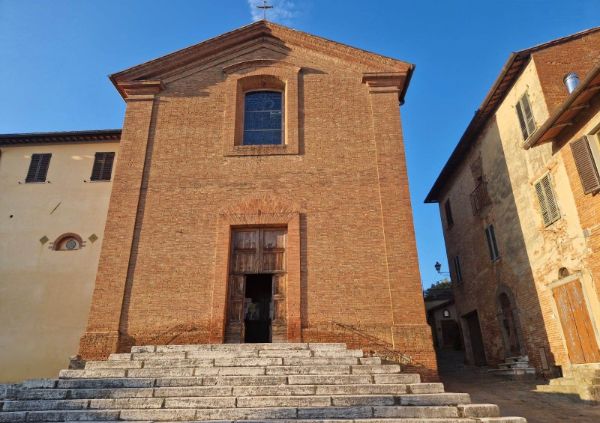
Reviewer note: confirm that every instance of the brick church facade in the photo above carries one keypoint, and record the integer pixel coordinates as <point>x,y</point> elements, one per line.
<point>261,194</point>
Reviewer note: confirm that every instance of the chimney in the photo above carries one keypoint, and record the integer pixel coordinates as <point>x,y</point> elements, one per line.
<point>571,81</point>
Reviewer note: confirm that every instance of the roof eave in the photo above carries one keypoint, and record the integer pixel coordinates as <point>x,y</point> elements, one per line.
<point>32,138</point>
<point>482,115</point>
<point>590,82</point>
<point>474,125</point>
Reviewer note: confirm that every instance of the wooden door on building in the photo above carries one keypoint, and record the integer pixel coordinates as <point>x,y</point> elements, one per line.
<point>576,323</point>
<point>472,320</point>
<point>256,251</point>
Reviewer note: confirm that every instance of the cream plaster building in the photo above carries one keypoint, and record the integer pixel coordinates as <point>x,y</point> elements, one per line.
<point>513,232</point>
<point>51,231</point>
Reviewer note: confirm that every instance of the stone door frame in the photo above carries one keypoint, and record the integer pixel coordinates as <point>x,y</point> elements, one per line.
<point>515,320</point>
<point>256,217</point>
<point>245,261</point>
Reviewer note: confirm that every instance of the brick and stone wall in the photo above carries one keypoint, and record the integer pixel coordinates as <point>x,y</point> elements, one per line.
<point>159,277</point>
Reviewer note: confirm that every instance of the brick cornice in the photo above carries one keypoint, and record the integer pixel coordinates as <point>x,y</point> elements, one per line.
<point>140,90</point>
<point>384,80</point>
<point>256,63</point>
<point>387,82</point>
<point>264,31</point>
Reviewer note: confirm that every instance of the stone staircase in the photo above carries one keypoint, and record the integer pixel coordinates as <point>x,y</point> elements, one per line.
<point>249,382</point>
<point>515,368</point>
<point>582,380</point>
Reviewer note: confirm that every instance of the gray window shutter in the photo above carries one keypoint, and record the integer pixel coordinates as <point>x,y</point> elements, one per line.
<point>102,169</point>
<point>490,237</point>
<point>586,167</point>
<point>448,210</point>
<point>547,200</point>
<point>525,115</point>
<point>522,120</point>
<point>529,121</point>
<point>38,168</point>
<point>457,269</point>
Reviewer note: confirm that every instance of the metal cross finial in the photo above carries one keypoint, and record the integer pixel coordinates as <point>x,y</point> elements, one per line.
<point>264,8</point>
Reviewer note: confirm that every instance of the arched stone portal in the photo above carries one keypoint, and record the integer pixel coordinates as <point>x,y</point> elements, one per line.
<point>509,324</point>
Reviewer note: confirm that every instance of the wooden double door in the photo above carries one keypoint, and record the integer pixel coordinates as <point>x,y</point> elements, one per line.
<point>257,286</point>
<point>577,326</point>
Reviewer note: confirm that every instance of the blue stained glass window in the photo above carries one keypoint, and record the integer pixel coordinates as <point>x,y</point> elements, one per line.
<point>263,120</point>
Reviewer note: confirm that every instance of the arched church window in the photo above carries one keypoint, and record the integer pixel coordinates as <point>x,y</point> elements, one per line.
<point>68,242</point>
<point>263,118</point>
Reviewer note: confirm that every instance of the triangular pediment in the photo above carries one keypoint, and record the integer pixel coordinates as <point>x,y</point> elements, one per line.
<point>266,35</point>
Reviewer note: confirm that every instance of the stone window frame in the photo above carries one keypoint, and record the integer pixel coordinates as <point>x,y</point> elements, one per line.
<point>265,212</point>
<point>255,75</point>
<point>270,88</point>
<point>55,246</point>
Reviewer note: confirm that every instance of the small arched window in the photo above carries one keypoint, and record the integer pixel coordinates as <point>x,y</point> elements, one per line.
<point>563,272</point>
<point>263,118</point>
<point>68,242</point>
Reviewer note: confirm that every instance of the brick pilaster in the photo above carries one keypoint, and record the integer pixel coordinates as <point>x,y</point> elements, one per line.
<point>117,259</point>
<point>404,280</point>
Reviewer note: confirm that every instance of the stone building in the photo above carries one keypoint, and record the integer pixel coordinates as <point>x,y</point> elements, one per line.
<point>514,225</point>
<point>55,189</point>
<point>441,316</point>
<point>261,195</point>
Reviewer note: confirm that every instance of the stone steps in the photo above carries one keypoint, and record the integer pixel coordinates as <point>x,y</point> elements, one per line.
<point>214,391</point>
<point>261,382</point>
<point>297,415</point>
<point>581,380</point>
<point>571,387</point>
<point>313,400</point>
<point>123,363</point>
<point>256,370</point>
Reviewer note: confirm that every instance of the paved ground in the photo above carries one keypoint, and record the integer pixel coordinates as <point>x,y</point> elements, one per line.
<point>515,398</point>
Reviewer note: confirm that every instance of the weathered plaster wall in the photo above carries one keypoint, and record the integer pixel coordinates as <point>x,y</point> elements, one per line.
<point>45,294</point>
<point>530,254</point>
<point>587,265</point>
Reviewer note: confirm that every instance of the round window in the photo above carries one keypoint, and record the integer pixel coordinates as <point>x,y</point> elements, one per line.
<point>68,243</point>
<point>71,244</point>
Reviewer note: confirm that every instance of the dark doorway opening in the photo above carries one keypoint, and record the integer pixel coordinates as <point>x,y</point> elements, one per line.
<point>476,339</point>
<point>451,335</point>
<point>509,326</point>
<point>257,319</point>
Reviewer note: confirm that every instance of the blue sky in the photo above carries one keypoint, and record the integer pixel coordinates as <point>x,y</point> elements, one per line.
<point>55,56</point>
